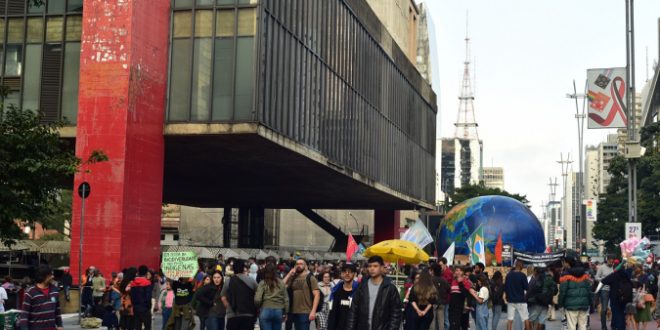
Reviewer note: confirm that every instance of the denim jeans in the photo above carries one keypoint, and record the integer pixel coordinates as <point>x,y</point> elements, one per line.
<point>618,315</point>
<point>497,315</point>
<point>446,317</point>
<point>604,304</point>
<point>215,323</point>
<point>166,316</point>
<point>481,316</point>
<point>301,321</point>
<point>270,319</point>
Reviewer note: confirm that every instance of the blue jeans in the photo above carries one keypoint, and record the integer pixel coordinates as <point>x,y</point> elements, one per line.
<point>215,323</point>
<point>301,321</point>
<point>618,315</point>
<point>446,317</point>
<point>497,314</point>
<point>604,304</point>
<point>166,316</point>
<point>270,319</point>
<point>481,316</point>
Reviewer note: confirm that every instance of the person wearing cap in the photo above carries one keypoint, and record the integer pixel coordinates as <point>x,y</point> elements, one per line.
<point>341,297</point>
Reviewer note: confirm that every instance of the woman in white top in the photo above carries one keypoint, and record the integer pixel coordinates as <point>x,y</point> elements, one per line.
<point>482,297</point>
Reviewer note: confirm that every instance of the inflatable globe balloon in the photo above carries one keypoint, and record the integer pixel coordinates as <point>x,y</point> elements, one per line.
<point>497,215</point>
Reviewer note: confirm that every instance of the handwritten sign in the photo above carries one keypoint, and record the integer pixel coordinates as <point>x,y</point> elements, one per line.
<point>179,264</point>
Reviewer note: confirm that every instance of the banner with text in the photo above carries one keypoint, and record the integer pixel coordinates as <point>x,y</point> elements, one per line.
<point>606,91</point>
<point>179,264</point>
<point>539,259</point>
<point>591,207</point>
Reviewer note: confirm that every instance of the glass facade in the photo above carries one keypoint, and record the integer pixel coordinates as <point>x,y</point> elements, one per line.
<point>213,59</point>
<point>326,82</point>
<point>40,55</point>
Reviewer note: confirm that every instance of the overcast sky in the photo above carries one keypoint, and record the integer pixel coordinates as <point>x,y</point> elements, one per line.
<point>527,55</point>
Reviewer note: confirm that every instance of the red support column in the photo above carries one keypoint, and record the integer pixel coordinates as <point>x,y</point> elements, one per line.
<point>123,78</point>
<point>386,225</point>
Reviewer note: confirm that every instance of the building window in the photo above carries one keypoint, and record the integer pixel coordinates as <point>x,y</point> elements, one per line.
<point>212,63</point>
<point>40,55</point>
<point>176,237</point>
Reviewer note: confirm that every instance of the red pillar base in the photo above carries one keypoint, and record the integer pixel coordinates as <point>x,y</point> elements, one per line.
<point>386,225</point>
<point>123,76</point>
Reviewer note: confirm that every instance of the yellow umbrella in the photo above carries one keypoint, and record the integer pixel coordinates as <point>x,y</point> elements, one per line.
<point>396,250</point>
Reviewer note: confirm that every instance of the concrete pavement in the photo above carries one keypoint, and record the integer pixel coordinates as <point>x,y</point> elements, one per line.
<point>71,322</point>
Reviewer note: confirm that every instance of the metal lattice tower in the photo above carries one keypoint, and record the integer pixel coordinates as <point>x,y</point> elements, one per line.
<point>466,123</point>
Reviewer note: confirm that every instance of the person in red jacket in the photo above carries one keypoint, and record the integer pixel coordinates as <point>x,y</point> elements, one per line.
<point>141,290</point>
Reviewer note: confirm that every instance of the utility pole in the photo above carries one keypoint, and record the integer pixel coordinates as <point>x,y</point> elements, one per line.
<point>630,103</point>
<point>565,166</point>
<point>580,224</point>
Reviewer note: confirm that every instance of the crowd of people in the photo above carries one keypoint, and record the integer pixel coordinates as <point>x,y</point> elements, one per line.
<point>295,293</point>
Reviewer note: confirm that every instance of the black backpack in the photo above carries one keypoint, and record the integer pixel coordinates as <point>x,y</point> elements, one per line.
<point>311,292</point>
<point>625,291</point>
<point>545,298</point>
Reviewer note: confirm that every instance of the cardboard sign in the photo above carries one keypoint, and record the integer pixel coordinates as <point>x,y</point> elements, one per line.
<point>179,264</point>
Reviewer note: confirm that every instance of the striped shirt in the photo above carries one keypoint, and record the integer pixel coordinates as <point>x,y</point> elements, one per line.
<point>41,309</point>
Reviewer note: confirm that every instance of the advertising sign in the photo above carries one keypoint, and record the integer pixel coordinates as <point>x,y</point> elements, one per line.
<point>179,264</point>
<point>606,91</point>
<point>633,230</point>
<point>591,209</point>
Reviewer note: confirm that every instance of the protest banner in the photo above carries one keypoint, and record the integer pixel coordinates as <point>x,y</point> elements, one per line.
<point>179,264</point>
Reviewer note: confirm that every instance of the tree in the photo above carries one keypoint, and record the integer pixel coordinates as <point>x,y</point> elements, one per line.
<point>34,165</point>
<point>470,191</point>
<point>613,205</point>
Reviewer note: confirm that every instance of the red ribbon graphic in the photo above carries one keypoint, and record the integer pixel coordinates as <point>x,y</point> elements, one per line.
<point>617,107</point>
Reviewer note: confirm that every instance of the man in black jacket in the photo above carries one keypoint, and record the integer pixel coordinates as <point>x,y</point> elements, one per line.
<point>141,290</point>
<point>376,304</point>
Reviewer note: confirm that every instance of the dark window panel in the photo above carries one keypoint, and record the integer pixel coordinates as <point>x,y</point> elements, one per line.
<point>50,81</point>
<point>70,81</point>
<point>180,80</point>
<point>75,6</point>
<point>32,77</point>
<point>15,7</point>
<point>201,80</point>
<point>56,6</point>
<point>222,79</point>
<point>179,4</point>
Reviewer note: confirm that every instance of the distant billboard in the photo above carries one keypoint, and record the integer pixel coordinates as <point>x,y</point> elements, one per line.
<point>606,91</point>
<point>591,207</point>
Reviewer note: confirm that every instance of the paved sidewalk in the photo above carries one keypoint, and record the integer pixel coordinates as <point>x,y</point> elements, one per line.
<point>71,322</point>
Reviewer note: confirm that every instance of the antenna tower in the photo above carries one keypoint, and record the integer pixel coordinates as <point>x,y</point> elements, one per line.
<point>466,124</point>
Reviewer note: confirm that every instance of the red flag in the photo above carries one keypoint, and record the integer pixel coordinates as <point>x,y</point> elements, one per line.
<point>351,247</point>
<point>498,249</point>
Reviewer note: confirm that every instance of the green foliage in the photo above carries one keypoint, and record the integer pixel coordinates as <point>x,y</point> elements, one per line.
<point>471,191</point>
<point>53,237</point>
<point>613,205</point>
<point>34,163</point>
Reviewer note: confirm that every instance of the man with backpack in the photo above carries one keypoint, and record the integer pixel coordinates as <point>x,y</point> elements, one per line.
<point>305,295</point>
<point>541,290</point>
<point>621,293</point>
<point>238,298</point>
<point>443,297</point>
